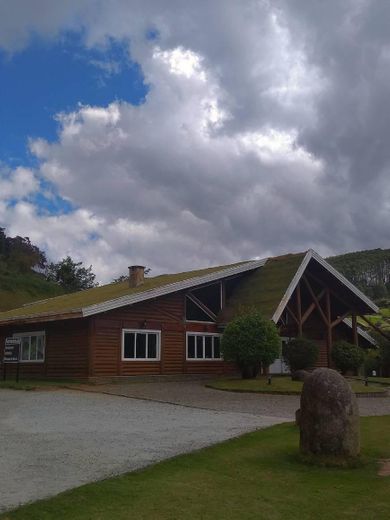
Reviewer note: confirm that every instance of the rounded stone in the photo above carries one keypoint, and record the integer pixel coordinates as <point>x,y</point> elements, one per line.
<point>329,416</point>
<point>300,375</point>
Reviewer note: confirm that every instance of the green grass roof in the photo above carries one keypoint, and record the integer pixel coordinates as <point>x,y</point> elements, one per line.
<point>74,302</point>
<point>264,288</point>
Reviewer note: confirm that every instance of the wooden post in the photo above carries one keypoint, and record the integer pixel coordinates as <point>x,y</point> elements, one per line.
<point>223,295</point>
<point>299,309</point>
<point>329,327</point>
<point>354,330</point>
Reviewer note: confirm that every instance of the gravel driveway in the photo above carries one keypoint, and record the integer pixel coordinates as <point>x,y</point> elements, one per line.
<point>195,394</point>
<point>51,441</point>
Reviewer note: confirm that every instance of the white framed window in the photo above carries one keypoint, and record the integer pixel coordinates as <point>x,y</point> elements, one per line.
<point>203,346</point>
<point>32,349</point>
<point>141,345</point>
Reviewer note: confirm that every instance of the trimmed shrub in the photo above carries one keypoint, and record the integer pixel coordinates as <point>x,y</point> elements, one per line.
<point>347,356</point>
<point>250,340</point>
<point>300,354</point>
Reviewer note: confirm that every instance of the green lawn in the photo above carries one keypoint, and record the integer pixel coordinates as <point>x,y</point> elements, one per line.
<point>258,475</point>
<point>378,380</point>
<point>279,385</point>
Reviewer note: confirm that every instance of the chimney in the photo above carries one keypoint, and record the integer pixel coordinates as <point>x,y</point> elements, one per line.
<point>136,275</point>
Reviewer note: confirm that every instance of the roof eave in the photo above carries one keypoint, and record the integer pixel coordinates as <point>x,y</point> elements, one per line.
<point>39,318</point>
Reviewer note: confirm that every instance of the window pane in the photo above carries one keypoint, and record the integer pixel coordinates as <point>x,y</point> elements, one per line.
<point>26,348</point>
<point>199,346</point>
<point>208,347</point>
<point>152,346</point>
<point>141,346</point>
<point>129,345</point>
<point>33,349</point>
<point>40,347</point>
<point>191,347</point>
<point>217,352</point>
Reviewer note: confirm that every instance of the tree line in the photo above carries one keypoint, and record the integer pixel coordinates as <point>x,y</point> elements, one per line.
<point>19,254</point>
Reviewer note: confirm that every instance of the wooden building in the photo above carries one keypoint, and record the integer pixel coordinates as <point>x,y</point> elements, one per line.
<point>172,324</point>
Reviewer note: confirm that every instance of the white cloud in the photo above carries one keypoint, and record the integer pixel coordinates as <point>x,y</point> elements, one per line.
<point>262,128</point>
<point>18,183</point>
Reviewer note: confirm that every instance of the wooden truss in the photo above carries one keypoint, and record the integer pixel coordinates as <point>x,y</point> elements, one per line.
<point>322,302</point>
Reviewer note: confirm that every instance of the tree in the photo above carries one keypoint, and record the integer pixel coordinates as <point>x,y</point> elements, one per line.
<point>249,340</point>
<point>368,270</point>
<point>70,275</point>
<point>121,278</point>
<point>20,254</point>
<point>124,277</point>
<point>347,357</point>
<point>24,255</point>
<point>300,354</point>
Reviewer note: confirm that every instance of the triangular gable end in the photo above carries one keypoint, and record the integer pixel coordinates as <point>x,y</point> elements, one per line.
<point>311,255</point>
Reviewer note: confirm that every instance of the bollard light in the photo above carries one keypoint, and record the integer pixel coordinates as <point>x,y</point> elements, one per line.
<point>366,382</point>
<point>269,380</point>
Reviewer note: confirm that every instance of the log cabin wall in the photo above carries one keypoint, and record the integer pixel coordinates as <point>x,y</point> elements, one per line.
<point>66,350</point>
<point>165,314</point>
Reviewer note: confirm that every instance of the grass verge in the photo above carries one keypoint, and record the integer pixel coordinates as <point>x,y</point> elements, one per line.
<point>280,385</point>
<point>36,384</point>
<point>258,475</point>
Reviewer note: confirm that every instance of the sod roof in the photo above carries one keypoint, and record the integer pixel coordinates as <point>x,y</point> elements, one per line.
<point>263,288</point>
<point>266,286</point>
<point>74,303</point>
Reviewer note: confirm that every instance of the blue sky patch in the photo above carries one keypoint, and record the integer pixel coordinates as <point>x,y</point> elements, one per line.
<point>51,77</point>
<point>47,201</point>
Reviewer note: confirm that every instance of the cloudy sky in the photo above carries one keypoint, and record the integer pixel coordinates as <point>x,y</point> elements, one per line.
<point>179,134</point>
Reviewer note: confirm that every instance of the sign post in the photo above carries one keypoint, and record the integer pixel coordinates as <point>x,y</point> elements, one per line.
<point>12,355</point>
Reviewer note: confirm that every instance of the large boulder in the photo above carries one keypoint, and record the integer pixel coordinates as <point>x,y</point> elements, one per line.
<point>329,416</point>
<point>300,375</point>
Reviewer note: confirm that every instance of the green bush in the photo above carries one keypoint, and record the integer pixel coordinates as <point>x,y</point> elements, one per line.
<point>385,357</point>
<point>250,340</point>
<point>372,361</point>
<point>300,354</point>
<point>347,357</point>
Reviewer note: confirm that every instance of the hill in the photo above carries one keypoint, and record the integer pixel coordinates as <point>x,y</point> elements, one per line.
<point>17,288</point>
<point>369,270</point>
<point>26,275</point>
